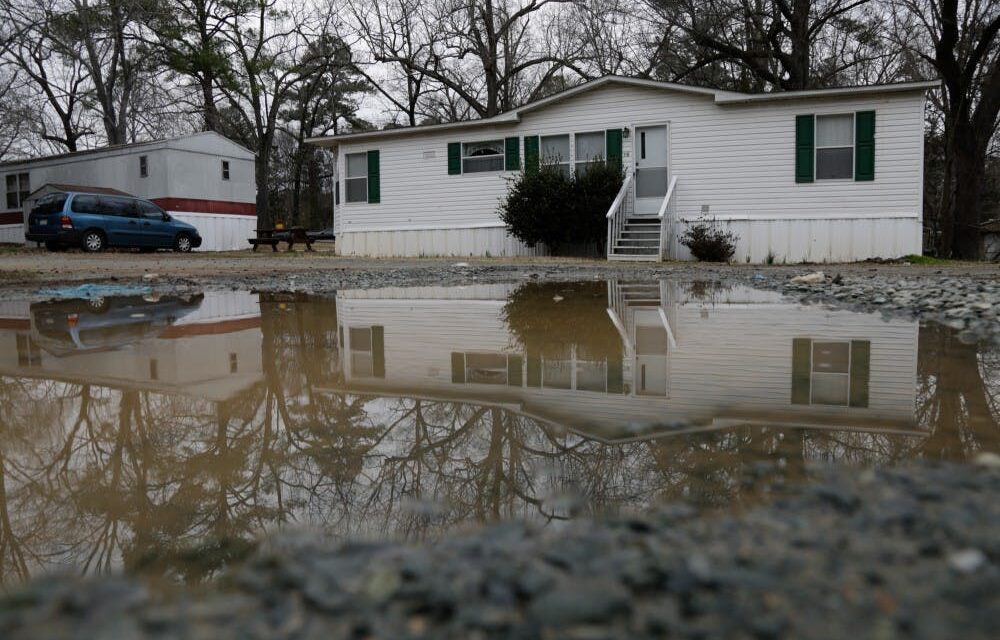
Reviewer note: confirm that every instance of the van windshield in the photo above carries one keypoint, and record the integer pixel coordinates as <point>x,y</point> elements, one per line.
<point>52,203</point>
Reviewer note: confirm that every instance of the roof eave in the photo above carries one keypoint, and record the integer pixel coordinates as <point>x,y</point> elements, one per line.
<point>742,98</point>
<point>333,141</point>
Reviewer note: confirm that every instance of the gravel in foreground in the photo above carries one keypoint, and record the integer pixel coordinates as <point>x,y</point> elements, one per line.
<point>902,553</point>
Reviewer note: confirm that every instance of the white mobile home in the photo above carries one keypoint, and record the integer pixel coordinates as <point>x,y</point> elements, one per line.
<point>824,175</point>
<point>204,179</point>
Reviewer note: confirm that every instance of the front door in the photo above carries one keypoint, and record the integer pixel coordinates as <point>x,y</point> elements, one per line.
<point>650,169</point>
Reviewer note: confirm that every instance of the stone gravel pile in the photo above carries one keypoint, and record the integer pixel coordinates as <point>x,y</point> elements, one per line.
<point>904,553</point>
<point>970,305</point>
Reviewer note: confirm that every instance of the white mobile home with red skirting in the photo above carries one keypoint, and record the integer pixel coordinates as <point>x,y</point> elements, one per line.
<point>204,179</point>
<point>819,175</point>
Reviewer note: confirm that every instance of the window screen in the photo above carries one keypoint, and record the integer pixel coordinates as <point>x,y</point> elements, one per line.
<point>482,157</point>
<point>555,152</point>
<point>835,147</point>
<point>589,149</point>
<point>356,183</point>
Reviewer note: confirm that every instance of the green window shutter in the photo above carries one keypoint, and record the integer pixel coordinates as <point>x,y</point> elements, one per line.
<point>514,367</point>
<point>458,367</point>
<point>864,145</point>
<point>534,371</point>
<point>454,158</point>
<point>801,370</point>
<point>616,378</point>
<point>512,154</point>
<point>860,372</point>
<point>378,352</point>
<point>374,186</point>
<point>613,144</point>
<point>805,148</point>
<point>531,153</point>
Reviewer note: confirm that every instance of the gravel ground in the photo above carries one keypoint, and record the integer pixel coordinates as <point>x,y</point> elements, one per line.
<point>904,553</point>
<point>965,296</point>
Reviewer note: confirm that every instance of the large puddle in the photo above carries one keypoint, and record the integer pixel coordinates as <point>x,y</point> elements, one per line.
<point>166,434</point>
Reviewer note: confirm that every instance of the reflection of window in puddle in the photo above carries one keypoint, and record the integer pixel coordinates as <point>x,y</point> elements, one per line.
<point>826,372</point>
<point>367,352</point>
<point>486,368</point>
<point>575,369</point>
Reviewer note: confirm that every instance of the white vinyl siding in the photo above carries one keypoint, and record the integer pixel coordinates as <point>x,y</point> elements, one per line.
<point>835,147</point>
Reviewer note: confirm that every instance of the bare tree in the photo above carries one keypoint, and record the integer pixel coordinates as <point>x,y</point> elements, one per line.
<point>781,44</point>
<point>960,43</point>
<point>493,54</point>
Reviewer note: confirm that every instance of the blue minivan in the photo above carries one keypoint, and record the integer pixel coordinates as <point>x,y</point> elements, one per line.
<point>95,222</point>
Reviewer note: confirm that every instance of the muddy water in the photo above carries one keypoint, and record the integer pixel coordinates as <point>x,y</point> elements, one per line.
<point>166,434</point>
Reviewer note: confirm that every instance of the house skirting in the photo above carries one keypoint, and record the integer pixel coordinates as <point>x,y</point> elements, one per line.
<point>12,233</point>
<point>221,231</point>
<point>790,240</point>
<point>485,241</point>
<point>794,240</point>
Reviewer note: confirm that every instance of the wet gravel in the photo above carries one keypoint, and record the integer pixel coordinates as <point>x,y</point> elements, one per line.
<point>904,553</point>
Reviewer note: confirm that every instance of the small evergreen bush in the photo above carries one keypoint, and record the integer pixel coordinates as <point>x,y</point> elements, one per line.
<point>708,242</point>
<point>548,207</point>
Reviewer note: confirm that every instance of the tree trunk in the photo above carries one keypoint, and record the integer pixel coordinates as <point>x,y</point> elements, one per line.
<point>263,186</point>
<point>798,68</point>
<point>210,113</point>
<point>965,171</point>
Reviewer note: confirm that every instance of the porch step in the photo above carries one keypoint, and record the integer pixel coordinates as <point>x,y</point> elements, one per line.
<point>653,234</point>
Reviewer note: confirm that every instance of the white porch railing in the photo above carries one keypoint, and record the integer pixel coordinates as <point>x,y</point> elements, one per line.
<point>616,213</point>
<point>666,224</point>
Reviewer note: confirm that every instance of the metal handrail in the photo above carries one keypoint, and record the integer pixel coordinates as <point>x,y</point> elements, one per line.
<point>662,213</point>
<point>615,221</point>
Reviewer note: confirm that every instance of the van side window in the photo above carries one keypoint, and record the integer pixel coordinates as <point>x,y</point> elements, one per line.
<point>149,210</point>
<point>84,204</point>
<point>52,203</point>
<point>113,206</point>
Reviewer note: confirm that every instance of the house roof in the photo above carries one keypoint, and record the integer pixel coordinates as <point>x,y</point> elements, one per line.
<point>81,188</point>
<point>719,96</point>
<point>118,147</point>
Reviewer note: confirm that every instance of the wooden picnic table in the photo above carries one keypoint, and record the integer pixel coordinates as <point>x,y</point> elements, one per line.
<point>272,236</point>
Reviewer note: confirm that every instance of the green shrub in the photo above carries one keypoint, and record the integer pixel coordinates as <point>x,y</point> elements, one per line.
<point>548,207</point>
<point>708,243</point>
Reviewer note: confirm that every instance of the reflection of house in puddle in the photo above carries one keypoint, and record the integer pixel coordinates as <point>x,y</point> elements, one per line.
<point>206,346</point>
<point>620,360</point>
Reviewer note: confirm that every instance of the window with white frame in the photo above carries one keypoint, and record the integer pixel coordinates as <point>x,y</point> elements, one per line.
<point>589,150</point>
<point>555,152</point>
<point>356,183</point>
<point>143,167</point>
<point>835,147</point>
<point>225,169</point>
<point>482,157</point>
<point>18,190</point>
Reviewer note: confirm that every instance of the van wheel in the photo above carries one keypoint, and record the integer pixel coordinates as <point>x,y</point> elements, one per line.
<point>183,243</point>
<point>93,241</point>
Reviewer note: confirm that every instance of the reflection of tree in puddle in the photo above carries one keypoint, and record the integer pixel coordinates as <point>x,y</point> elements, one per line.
<point>96,477</point>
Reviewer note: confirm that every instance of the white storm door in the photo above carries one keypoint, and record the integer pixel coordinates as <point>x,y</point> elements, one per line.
<point>650,169</point>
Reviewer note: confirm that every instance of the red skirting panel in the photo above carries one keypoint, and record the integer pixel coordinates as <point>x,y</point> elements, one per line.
<point>11,217</point>
<point>192,205</point>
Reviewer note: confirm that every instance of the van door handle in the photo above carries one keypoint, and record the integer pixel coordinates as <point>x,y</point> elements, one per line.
<point>131,221</point>
<point>145,224</point>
